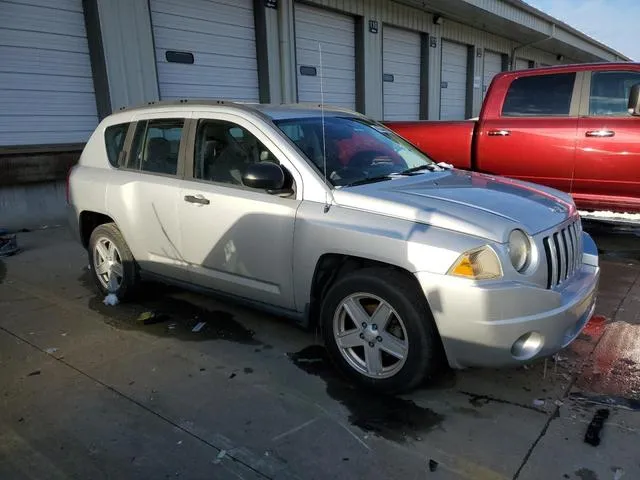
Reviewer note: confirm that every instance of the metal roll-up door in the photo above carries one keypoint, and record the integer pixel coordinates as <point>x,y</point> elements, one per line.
<point>453,87</point>
<point>522,64</point>
<point>336,33</point>
<point>401,74</point>
<point>205,49</point>
<point>492,66</point>
<point>46,84</point>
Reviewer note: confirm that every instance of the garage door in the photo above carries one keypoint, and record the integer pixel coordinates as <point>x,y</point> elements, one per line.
<point>205,49</point>
<point>336,33</point>
<point>46,85</point>
<point>492,66</point>
<point>401,74</point>
<point>522,64</point>
<point>453,87</point>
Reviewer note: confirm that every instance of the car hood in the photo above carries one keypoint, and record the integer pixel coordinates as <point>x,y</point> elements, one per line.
<point>481,205</point>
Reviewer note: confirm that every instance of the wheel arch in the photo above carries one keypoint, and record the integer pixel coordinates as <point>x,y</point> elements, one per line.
<point>88,221</point>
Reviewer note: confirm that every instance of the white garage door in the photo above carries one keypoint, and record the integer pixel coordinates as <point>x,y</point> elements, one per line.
<point>220,34</point>
<point>453,87</point>
<point>492,66</point>
<point>46,85</point>
<point>336,33</point>
<point>401,74</point>
<point>522,64</point>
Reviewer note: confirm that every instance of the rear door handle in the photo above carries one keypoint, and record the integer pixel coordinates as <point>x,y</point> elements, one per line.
<point>600,133</point>
<point>499,133</point>
<point>199,199</point>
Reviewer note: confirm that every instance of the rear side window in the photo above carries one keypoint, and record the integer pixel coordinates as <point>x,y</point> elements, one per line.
<point>610,93</point>
<point>114,137</point>
<point>540,96</point>
<point>156,146</point>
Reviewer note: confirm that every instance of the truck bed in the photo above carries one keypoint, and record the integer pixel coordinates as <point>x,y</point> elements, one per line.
<point>429,137</point>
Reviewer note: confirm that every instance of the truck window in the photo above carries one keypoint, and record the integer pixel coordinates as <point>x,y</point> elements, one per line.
<point>539,96</point>
<point>610,93</point>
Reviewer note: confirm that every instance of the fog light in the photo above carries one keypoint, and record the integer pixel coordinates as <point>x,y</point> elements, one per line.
<point>527,346</point>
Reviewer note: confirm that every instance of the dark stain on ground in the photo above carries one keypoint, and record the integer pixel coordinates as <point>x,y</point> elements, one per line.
<point>3,271</point>
<point>248,370</point>
<point>390,417</point>
<point>586,474</point>
<point>154,311</point>
<point>615,242</point>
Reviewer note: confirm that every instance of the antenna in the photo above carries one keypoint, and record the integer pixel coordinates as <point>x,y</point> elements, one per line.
<point>324,138</point>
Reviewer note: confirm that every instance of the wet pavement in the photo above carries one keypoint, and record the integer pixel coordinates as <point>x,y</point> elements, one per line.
<point>180,385</point>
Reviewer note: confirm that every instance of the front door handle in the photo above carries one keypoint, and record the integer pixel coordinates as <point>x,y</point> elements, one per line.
<point>199,199</point>
<point>499,133</point>
<point>600,133</point>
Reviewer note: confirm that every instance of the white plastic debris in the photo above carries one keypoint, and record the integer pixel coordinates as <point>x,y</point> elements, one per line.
<point>220,456</point>
<point>559,403</point>
<point>51,350</point>
<point>538,402</point>
<point>111,300</point>
<point>618,473</point>
<point>199,326</point>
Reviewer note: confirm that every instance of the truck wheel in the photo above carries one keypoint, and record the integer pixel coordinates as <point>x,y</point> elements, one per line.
<point>379,330</point>
<point>112,264</point>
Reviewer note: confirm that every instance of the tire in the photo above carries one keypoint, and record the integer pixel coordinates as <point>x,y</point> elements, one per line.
<point>108,235</point>
<point>407,308</point>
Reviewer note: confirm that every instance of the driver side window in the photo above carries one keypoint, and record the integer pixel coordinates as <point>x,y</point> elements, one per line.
<point>223,151</point>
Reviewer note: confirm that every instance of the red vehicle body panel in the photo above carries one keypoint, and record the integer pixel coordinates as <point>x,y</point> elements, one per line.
<point>600,172</point>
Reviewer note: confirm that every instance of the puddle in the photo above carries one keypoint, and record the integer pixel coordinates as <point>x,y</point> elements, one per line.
<point>390,417</point>
<point>615,242</point>
<point>170,317</point>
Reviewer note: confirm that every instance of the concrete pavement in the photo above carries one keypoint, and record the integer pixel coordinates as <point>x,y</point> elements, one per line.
<point>88,391</point>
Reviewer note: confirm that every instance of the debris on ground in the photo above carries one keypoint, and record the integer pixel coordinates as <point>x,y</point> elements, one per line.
<point>34,373</point>
<point>149,318</point>
<point>8,243</point>
<point>592,436</point>
<point>111,300</point>
<point>199,326</point>
<point>559,403</point>
<point>220,456</point>
<point>232,375</point>
<point>538,402</point>
<point>433,465</point>
<point>618,473</point>
<point>51,350</point>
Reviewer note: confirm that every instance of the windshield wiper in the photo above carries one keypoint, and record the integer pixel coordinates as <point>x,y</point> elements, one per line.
<point>429,166</point>
<point>364,181</point>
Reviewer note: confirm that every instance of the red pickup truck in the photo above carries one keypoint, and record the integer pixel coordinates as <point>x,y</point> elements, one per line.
<point>572,127</point>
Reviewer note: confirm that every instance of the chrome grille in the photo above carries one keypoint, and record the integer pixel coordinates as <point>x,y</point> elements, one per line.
<point>564,253</point>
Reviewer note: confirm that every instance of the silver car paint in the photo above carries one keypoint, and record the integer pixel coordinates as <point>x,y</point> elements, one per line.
<point>266,248</point>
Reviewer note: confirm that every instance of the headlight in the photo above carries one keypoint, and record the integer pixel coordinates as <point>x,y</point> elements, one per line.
<point>478,264</point>
<point>519,250</point>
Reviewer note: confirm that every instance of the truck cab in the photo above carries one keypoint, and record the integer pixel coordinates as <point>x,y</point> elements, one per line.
<point>568,127</point>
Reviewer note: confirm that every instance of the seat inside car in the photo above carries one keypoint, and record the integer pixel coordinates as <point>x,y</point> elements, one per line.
<point>158,156</point>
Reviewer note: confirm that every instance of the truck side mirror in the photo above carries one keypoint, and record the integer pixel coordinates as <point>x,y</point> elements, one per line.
<point>634,100</point>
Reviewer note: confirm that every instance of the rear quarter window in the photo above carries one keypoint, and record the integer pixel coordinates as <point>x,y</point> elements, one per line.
<point>114,137</point>
<point>540,96</point>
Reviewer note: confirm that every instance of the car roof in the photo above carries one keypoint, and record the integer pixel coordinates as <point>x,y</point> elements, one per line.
<point>274,111</point>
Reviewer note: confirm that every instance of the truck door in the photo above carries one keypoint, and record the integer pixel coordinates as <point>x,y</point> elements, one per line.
<point>607,173</point>
<point>532,134</point>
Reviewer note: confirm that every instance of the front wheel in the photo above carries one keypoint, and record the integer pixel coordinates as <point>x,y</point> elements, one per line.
<point>378,329</point>
<point>112,264</point>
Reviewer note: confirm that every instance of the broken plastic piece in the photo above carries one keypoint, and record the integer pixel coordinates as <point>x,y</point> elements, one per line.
<point>51,350</point>
<point>618,473</point>
<point>220,456</point>
<point>538,402</point>
<point>433,465</point>
<point>8,243</point>
<point>592,436</point>
<point>199,326</point>
<point>111,300</point>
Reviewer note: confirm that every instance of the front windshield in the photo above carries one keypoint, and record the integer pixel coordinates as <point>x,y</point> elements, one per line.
<point>357,150</point>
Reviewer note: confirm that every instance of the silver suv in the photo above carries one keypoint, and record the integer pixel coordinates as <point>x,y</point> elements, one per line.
<point>329,218</point>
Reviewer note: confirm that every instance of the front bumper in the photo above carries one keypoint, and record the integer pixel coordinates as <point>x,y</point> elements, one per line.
<point>480,325</point>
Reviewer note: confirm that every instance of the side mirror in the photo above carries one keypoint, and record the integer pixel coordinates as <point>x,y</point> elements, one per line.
<point>264,175</point>
<point>634,100</point>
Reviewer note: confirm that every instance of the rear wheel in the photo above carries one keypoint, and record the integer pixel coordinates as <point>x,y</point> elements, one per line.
<point>379,330</point>
<point>112,264</point>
